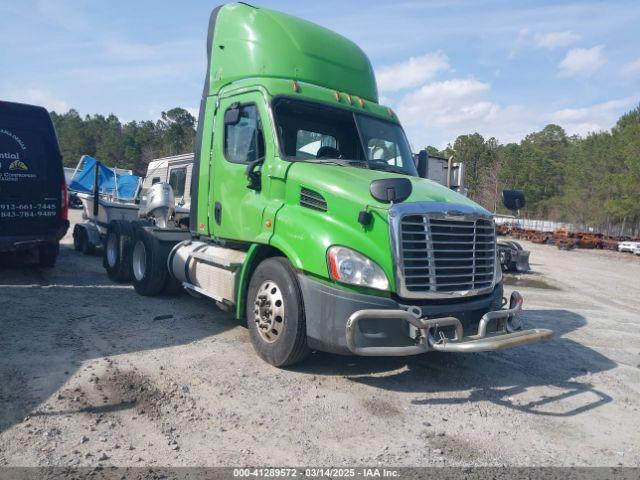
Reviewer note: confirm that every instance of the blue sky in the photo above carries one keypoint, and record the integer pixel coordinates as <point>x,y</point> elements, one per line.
<point>501,68</point>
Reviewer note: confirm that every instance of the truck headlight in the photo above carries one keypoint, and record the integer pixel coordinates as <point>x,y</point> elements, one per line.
<point>348,266</point>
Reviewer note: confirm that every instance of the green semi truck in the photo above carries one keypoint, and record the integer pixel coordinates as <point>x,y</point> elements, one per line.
<point>308,217</point>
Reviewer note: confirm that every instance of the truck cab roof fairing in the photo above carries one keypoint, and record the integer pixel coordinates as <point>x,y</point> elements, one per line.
<point>246,41</point>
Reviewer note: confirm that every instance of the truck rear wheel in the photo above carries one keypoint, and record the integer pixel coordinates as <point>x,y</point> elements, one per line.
<point>148,263</point>
<point>116,258</point>
<point>275,313</point>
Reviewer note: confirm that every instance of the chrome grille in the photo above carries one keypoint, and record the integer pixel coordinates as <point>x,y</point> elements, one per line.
<point>446,255</point>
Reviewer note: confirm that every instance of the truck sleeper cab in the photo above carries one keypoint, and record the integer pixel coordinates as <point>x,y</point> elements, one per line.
<point>307,214</point>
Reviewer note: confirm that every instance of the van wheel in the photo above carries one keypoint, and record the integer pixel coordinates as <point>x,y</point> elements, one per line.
<point>116,257</point>
<point>48,254</point>
<point>275,313</point>
<point>148,263</point>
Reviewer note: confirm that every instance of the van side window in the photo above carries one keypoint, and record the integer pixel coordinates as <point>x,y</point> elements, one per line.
<point>244,141</point>
<point>177,179</point>
<point>155,180</point>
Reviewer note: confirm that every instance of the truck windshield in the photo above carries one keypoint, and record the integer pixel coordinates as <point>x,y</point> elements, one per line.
<point>311,132</point>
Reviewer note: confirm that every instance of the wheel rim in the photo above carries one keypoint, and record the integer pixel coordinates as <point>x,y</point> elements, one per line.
<point>268,312</point>
<point>112,249</point>
<point>139,260</point>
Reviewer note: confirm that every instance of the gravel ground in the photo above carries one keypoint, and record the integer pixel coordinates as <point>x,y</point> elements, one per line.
<point>93,374</point>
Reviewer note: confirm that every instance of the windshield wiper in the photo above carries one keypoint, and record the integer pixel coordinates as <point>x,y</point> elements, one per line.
<point>324,161</point>
<point>396,170</point>
<point>385,167</point>
<point>338,161</point>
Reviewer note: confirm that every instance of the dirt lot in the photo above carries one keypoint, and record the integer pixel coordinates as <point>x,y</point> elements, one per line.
<point>91,373</point>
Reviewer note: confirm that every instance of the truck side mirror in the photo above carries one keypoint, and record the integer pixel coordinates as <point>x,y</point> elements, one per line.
<point>513,199</point>
<point>232,115</point>
<point>421,164</point>
<point>254,176</point>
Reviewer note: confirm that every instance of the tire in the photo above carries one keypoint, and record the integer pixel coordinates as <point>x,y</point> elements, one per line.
<point>515,245</point>
<point>77,233</point>
<point>116,257</point>
<point>48,254</point>
<point>504,250</point>
<point>496,304</point>
<point>148,263</point>
<point>275,281</point>
<point>172,286</point>
<point>87,247</point>
<point>81,241</point>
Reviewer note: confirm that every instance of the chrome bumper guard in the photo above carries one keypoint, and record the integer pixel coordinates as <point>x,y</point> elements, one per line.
<point>428,338</point>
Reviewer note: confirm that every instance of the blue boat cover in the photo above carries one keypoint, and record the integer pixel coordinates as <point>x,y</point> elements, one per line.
<point>109,182</point>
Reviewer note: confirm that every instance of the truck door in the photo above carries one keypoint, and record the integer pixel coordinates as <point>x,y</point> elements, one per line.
<point>239,142</point>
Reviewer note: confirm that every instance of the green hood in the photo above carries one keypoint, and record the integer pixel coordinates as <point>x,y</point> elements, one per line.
<point>352,184</point>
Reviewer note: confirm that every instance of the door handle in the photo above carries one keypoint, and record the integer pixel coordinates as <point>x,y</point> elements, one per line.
<point>217,212</point>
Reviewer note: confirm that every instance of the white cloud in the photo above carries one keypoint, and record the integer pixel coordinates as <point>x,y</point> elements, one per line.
<point>556,39</point>
<point>584,120</point>
<point>437,113</point>
<point>631,70</point>
<point>36,96</point>
<point>582,62</point>
<point>412,72</point>
<point>452,102</point>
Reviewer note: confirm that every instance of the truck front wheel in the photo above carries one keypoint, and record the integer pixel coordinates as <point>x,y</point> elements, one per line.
<point>275,313</point>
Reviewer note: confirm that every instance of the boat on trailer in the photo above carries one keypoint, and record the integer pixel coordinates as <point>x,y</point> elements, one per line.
<point>106,194</point>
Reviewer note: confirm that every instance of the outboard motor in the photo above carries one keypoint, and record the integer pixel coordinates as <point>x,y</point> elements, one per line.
<point>161,203</point>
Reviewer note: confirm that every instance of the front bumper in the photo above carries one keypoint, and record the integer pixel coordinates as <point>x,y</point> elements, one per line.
<point>344,322</point>
<point>21,242</point>
<point>432,334</point>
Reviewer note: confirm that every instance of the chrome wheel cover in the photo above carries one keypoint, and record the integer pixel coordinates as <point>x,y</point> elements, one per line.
<point>268,311</point>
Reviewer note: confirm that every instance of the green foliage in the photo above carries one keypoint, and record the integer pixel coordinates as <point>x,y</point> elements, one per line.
<point>591,181</point>
<point>130,145</point>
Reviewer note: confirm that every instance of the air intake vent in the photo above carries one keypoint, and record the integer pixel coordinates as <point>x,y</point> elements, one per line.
<point>312,200</point>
